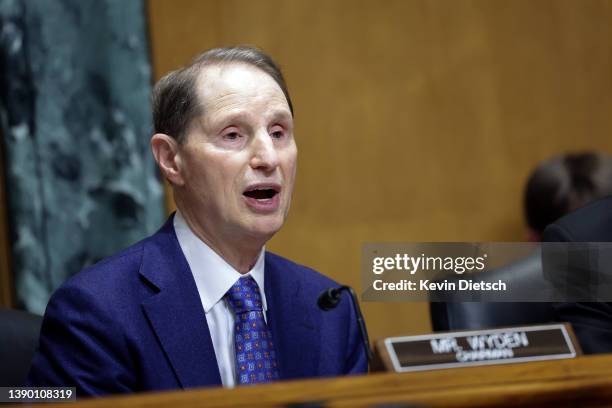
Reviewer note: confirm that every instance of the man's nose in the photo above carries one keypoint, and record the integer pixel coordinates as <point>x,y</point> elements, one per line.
<point>265,156</point>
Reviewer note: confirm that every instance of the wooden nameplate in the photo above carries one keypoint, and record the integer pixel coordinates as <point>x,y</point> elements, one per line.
<point>476,347</point>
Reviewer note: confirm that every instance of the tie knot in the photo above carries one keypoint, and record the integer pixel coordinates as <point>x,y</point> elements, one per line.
<point>244,295</point>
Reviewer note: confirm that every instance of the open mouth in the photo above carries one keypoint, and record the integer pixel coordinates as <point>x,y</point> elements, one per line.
<point>261,193</point>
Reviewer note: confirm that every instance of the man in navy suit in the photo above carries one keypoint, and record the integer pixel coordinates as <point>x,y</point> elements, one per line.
<point>201,303</point>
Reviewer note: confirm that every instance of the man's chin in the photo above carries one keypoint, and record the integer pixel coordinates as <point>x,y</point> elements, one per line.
<point>264,228</point>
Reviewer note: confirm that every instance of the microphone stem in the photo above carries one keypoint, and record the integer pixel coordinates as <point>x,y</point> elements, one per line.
<point>360,322</point>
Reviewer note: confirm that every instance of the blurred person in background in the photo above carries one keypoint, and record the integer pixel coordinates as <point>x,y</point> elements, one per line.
<point>557,186</point>
<point>563,184</point>
<point>591,177</point>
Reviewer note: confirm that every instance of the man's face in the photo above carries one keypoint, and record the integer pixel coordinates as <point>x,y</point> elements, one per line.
<point>239,159</point>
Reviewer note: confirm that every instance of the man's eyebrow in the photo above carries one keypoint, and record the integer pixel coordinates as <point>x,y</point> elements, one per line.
<point>233,116</point>
<point>240,115</point>
<point>281,115</point>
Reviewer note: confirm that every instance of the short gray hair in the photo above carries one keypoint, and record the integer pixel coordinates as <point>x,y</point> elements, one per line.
<point>175,98</point>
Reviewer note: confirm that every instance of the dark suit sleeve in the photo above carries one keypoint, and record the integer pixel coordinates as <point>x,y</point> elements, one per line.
<point>592,322</point>
<point>80,345</point>
<point>556,233</point>
<point>356,358</point>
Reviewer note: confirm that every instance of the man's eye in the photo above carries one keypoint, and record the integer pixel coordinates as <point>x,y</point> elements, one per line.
<point>278,134</point>
<point>232,136</point>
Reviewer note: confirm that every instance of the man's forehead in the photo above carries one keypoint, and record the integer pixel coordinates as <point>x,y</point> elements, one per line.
<point>223,81</point>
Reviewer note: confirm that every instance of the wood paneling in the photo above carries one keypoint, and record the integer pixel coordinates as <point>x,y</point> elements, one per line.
<point>416,120</point>
<point>6,278</point>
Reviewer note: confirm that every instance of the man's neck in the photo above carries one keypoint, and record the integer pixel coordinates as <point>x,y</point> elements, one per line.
<point>241,254</point>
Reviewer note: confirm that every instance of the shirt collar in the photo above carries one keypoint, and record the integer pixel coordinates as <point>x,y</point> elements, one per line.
<point>213,275</point>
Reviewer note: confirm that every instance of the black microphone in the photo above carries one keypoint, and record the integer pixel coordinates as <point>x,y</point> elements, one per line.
<point>330,298</point>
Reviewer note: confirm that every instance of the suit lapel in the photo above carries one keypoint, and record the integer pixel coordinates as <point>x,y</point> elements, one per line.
<point>293,326</point>
<point>176,312</point>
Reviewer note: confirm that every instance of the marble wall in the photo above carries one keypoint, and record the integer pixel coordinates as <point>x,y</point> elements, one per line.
<point>75,80</point>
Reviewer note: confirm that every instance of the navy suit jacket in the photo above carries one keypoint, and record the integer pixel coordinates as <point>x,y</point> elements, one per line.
<point>135,322</point>
<point>592,322</point>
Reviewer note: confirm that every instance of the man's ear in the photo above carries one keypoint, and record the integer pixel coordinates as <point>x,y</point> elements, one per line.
<point>166,152</point>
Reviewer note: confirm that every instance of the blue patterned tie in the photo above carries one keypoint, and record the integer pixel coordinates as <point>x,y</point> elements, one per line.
<point>255,356</point>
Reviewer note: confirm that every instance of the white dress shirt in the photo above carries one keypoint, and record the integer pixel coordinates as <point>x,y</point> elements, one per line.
<point>214,277</point>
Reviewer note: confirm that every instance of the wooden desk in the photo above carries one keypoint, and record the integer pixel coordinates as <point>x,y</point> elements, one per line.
<point>584,381</point>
